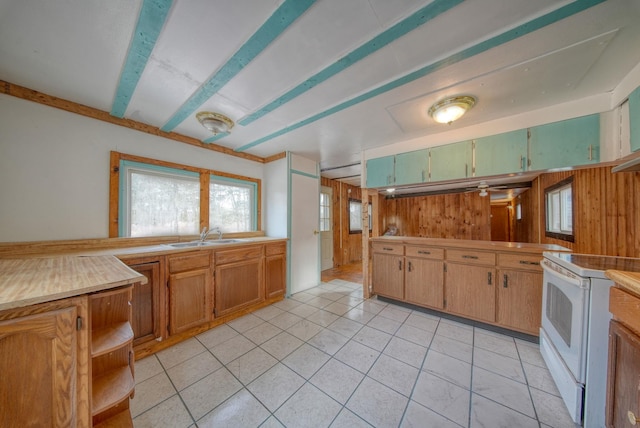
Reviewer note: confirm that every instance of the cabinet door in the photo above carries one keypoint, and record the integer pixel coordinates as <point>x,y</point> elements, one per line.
<point>388,275</point>
<point>623,380</point>
<point>39,390</point>
<point>275,275</point>
<point>470,291</point>
<point>424,282</point>
<point>412,167</point>
<point>238,285</point>
<point>519,303</point>
<point>189,300</point>
<point>634,119</point>
<point>147,304</point>
<point>380,171</point>
<point>501,154</point>
<point>451,161</point>
<point>568,143</point>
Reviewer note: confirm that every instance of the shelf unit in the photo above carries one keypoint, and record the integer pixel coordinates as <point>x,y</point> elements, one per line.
<point>111,357</point>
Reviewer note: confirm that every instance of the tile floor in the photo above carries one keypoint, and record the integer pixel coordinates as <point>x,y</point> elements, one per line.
<point>327,358</point>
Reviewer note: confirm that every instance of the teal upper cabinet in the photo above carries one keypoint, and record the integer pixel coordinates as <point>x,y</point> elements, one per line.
<point>380,172</point>
<point>634,119</point>
<point>412,167</point>
<point>501,154</point>
<point>568,143</point>
<point>451,161</point>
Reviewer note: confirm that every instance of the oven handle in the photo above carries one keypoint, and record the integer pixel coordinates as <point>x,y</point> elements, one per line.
<point>564,274</point>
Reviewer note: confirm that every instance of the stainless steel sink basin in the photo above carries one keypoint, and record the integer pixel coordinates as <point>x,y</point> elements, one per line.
<point>204,243</point>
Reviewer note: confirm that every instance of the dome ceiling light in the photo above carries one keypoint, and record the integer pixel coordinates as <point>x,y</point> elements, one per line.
<point>451,109</point>
<point>215,122</point>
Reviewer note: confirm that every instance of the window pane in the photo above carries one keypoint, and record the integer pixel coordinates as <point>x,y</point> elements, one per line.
<point>567,210</point>
<point>230,206</point>
<point>355,216</point>
<point>163,204</point>
<point>325,213</point>
<point>555,211</point>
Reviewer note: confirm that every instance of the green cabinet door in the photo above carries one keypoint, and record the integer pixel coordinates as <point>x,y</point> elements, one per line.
<point>412,167</point>
<point>634,119</point>
<point>380,171</point>
<point>501,154</point>
<point>568,143</point>
<point>451,161</point>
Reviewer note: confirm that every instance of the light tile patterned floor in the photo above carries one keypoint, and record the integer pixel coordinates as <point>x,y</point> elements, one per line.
<point>327,358</point>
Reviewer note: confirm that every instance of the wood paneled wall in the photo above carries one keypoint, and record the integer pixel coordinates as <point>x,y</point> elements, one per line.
<point>606,211</point>
<point>347,248</point>
<point>456,216</point>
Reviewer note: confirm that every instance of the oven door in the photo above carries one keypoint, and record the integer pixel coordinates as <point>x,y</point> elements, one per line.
<point>565,302</point>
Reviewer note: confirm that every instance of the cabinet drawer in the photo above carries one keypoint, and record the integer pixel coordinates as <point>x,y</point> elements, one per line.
<point>278,248</point>
<point>520,261</point>
<point>189,261</point>
<point>424,252</point>
<point>471,257</point>
<point>238,254</point>
<point>379,247</point>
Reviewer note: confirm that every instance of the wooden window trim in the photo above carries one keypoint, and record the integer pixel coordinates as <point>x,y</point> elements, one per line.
<point>205,177</point>
<point>555,235</point>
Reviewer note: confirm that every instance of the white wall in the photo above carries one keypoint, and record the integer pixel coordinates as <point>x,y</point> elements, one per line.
<point>54,169</point>
<point>275,191</point>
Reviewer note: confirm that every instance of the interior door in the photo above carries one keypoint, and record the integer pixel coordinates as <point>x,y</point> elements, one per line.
<point>326,231</point>
<point>305,236</point>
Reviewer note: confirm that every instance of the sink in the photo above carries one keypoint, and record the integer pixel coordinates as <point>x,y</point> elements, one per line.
<point>204,243</point>
<point>189,244</point>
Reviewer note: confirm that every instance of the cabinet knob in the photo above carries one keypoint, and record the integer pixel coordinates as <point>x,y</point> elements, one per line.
<point>632,417</point>
<point>315,232</point>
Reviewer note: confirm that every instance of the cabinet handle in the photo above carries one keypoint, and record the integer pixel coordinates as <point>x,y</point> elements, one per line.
<point>470,257</point>
<point>505,283</point>
<point>387,249</point>
<point>489,277</point>
<point>423,180</point>
<point>424,252</point>
<point>527,262</point>
<point>590,151</point>
<point>409,267</point>
<point>522,162</point>
<point>632,417</point>
<point>399,264</point>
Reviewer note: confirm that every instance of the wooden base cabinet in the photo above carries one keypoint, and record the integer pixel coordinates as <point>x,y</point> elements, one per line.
<point>275,269</point>
<point>190,293</point>
<point>148,302</point>
<point>623,398</point>
<point>388,275</point>
<point>239,279</point>
<point>44,365</point>
<point>519,300</point>
<point>470,291</point>
<point>424,276</point>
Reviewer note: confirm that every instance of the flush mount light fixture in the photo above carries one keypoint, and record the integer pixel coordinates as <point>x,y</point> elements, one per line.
<point>215,122</point>
<point>450,109</point>
<point>391,190</point>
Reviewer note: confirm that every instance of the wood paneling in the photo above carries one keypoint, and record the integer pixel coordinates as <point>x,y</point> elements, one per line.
<point>606,208</point>
<point>456,216</point>
<point>347,248</point>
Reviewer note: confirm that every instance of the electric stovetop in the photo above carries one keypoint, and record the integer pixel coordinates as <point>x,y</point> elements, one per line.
<point>590,265</point>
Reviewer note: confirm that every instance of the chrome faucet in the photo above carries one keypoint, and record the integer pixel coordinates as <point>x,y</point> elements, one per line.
<point>205,233</point>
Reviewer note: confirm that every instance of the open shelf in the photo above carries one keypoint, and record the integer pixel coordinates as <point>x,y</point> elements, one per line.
<point>109,338</point>
<point>111,388</point>
<point>119,420</point>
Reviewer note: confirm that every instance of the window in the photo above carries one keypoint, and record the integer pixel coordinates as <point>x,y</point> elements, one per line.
<point>355,216</point>
<point>156,198</point>
<point>559,210</point>
<point>325,212</point>
<point>231,205</point>
<point>159,201</point>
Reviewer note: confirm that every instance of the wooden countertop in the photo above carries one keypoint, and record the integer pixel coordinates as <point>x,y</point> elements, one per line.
<point>25,282</point>
<point>629,281</point>
<point>472,244</point>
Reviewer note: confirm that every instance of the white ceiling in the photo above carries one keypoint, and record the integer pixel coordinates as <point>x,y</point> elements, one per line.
<point>238,56</point>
